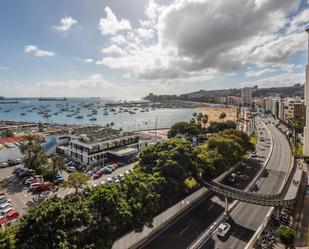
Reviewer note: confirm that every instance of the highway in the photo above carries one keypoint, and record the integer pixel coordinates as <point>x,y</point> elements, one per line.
<point>246,218</point>
<point>188,227</point>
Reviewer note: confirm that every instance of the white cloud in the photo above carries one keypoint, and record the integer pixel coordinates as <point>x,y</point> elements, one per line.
<point>4,68</point>
<point>95,81</point>
<point>126,76</point>
<point>33,49</point>
<point>110,25</point>
<point>85,60</point>
<point>113,49</point>
<point>256,73</point>
<point>286,79</point>
<point>119,39</point>
<point>65,24</point>
<point>185,37</point>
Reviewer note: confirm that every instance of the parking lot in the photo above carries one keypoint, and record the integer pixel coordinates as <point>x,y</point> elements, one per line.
<point>22,199</point>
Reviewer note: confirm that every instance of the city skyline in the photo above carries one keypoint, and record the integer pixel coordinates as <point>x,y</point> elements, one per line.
<point>127,49</point>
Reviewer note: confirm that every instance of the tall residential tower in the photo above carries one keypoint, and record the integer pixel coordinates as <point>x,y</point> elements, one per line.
<point>306,130</point>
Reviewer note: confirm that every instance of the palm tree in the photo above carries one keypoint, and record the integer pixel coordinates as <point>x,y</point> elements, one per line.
<point>205,120</point>
<point>199,117</point>
<point>222,115</point>
<point>34,155</point>
<point>57,164</point>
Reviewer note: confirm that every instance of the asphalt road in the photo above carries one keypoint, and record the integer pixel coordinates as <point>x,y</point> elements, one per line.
<point>246,218</point>
<point>187,228</point>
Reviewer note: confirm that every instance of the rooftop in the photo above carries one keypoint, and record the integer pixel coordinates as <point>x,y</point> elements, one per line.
<point>15,139</point>
<point>97,134</point>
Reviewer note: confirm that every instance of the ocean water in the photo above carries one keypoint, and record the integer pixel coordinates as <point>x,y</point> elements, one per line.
<point>27,110</point>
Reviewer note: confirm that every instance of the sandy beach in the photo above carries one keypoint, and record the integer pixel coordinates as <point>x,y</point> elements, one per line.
<point>214,113</point>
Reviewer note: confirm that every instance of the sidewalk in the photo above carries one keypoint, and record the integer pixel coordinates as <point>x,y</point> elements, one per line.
<point>301,220</point>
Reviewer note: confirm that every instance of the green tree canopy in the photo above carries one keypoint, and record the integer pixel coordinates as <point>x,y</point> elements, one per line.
<point>7,133</point>
<point>286,235</point>
<point>77,180</point>
<point>185,129</point>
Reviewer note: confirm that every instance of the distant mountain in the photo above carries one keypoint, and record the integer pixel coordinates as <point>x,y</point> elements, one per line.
<point>212,95</point>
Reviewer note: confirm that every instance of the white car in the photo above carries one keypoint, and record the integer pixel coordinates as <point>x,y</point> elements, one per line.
<point>4,199</point>
<point>71,169</point>
<point>4,206</point>
<point>223,229</point>
<point>7,210</point>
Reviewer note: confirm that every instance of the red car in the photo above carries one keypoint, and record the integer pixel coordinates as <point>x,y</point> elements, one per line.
<point>98,174</point>
<point>12,215</point>
<point>42,187</point>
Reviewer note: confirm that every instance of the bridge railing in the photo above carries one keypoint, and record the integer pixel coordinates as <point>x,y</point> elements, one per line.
<point>249,197</point>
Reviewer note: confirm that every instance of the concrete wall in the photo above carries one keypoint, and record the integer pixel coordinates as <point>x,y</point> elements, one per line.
<point>132,238</point>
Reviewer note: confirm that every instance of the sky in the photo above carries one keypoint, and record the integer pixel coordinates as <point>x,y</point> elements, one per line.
<point>126,49</point>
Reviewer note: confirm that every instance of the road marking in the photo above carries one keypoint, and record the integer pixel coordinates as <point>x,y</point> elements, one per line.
<point>210,207</point>
<point>184,230</point>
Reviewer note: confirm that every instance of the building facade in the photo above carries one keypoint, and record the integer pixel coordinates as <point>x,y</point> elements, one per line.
<point>246,96</point>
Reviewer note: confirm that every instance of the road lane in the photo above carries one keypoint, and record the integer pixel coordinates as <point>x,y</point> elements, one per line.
<point>246,218</point>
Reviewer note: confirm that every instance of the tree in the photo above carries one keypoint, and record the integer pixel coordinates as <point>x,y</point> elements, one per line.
<point>7,238</point>
<point>7,133</point>
<point>175,160</point>
<point>57,164</point>
<point>77,180</point>
<point>222,115</point>
<point>205,120</point>
<point>34,154</point>
<point>55,223</point>
<point>199,117</point>
<point>184,128</point>
<point>286,235</point>
<point>295,126</point>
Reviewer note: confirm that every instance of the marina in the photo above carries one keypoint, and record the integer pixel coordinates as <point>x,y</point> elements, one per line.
<point>129,116</point>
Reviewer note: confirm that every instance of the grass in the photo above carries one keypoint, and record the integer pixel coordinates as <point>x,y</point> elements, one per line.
<point>299,150</point>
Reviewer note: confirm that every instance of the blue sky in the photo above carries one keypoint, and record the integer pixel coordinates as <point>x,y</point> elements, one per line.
<point>129,48</point>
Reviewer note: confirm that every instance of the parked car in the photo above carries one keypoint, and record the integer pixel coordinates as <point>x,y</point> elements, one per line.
<point>71,169</point>
<point>4,165</point>
<point>110,167</point>
<point>98,174</point>
<point>11,215</point>
<point>17,169</point>
<point>121,164</point>
<point>4,199</point>
<point>109,180</point>
<point>115,165</point>
<point>89,173</point>
<point>58,179</point>
<point>14,162</point>
<point>107,170</point>
<point>5,205</point>
<point>7,210</point>
<point>223,229</point>
<point>40,188</point>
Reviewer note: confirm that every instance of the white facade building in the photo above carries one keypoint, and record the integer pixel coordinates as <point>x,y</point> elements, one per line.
<point>246,96</point>
<point>306,130</point>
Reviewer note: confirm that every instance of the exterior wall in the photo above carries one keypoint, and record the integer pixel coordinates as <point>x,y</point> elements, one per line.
<point>306,130</point>
<point>246,96</point>
<point>12,153</point>
<point>275,108</point>
<point>131,238</point>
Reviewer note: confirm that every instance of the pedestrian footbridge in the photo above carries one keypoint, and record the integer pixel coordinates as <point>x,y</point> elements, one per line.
<point>272,200</point>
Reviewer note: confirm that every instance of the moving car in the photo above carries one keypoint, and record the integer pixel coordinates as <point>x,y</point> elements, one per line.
<point>223,229</point>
